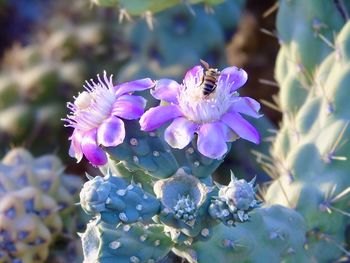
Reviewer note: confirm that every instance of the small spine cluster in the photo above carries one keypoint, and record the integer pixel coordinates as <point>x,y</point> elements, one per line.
<point>234,201</point>
<point>112,200</point>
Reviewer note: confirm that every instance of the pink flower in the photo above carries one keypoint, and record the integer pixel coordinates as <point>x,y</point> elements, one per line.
<point>97,116</point>
<point>216,117</point>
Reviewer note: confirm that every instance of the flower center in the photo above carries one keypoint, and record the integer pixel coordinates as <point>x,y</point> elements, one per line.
<point>201,108</point>
<point>185,209</point>
<point>92,106</point>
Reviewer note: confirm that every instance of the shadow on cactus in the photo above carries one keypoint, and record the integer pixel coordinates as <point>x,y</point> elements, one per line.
<point>157,194</point>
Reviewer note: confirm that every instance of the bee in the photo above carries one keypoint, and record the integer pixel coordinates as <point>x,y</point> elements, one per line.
<point>210,78</point>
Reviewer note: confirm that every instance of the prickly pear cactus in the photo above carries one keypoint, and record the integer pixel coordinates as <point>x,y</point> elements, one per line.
<point>157,194</point>
<point>36,205</point>
<point>310,159</point>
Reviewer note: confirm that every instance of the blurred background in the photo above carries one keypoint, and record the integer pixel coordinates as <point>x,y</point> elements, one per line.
<point>49,48</point>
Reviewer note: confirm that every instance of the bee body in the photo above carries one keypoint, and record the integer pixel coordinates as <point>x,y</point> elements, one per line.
<point>210,78</point>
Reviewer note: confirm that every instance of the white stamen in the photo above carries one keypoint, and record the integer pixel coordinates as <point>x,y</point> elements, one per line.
<point>93,106</point>
<point>203,109</point>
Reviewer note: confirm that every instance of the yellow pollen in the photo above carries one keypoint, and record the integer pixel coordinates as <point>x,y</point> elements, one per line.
<point>83,100</point>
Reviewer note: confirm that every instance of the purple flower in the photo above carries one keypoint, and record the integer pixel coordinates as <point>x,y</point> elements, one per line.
<point>216,117</point>
<point>96,116</point>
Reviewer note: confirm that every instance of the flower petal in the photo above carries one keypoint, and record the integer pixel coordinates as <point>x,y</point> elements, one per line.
<point>211,140</point>
<point>194,76</point>
<point>157,116</point>
<point>233,77</point>
<point>247,106</point>
<point>167,90</point>
<point>91,150</point>
<point>136,85</point>
<point>75,147</point>
<point>180,133</point>
<point>240,126</point>
<point>111,132</point>
<point>229,134</point>
<point>129,107</point>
